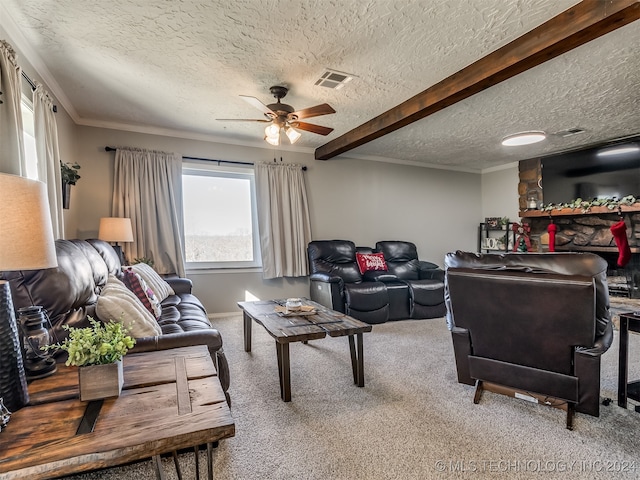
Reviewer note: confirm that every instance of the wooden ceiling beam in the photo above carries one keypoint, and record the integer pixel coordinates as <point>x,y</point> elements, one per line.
<point>576,26</point>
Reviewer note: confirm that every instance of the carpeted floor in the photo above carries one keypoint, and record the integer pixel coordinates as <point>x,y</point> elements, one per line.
<point>412,420</point>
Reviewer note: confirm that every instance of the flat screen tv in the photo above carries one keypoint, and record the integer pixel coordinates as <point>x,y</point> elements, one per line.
<point>605,171</point>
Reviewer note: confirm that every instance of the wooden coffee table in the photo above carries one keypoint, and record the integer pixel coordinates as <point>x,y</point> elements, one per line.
<point>288,329</point>
<point>171,400</point>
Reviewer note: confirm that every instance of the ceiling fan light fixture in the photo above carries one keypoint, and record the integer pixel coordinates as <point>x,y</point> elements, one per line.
<point>275,141</point>
<point>272,130</point>
<point>523,138</point>
<point>293,134</point>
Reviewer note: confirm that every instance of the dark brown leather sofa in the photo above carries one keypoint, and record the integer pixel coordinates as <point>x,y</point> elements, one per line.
<point>69,294</point>
<point>410,288</point>
<point>533,322</point>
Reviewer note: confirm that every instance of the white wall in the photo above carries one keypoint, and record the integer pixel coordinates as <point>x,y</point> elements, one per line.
<point>500,193</point>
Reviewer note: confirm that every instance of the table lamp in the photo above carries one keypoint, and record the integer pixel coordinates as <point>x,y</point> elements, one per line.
<point>26,243</point>
<point>116,229</point>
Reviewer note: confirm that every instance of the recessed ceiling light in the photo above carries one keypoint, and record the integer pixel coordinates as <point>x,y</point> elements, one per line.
<point>523,138</point>
<point>618,150</point>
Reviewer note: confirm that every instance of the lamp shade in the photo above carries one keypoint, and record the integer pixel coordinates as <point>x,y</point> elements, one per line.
<point>115,229</point>
<point>26,236</point>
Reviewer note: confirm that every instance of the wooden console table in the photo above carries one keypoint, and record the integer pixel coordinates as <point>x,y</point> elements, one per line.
<point>628,322</point>
<point>171,400</point>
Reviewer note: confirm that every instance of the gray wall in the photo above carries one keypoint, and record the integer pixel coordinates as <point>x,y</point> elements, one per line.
<point>500,193</point>
<point>359,200</point>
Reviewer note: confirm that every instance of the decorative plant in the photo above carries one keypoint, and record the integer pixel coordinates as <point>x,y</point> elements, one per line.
<point>99,344</point>
<point>69,172</point>
<point>585,205</point>
<point>147,260</point>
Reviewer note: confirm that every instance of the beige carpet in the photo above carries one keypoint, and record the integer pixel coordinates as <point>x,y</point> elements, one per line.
<point>411,421</point>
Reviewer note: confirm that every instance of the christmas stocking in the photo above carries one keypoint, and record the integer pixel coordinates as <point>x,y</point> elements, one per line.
<point>552,228</point>
<point>619,231</point>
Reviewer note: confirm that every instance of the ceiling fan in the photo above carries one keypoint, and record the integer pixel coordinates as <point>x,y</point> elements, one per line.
<point>281,116</point>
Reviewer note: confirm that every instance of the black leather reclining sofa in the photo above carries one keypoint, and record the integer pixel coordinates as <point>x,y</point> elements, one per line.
<point>408,288</point>
<point>69,293</point>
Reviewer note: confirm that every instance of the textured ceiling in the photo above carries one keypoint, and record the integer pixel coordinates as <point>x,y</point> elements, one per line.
<point>173,67</point>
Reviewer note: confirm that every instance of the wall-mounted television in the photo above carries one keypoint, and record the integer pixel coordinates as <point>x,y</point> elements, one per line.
<point>605,171</point>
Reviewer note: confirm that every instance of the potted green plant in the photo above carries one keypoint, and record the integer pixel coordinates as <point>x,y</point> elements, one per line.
<point>97,351</point>
<point>69,173</point>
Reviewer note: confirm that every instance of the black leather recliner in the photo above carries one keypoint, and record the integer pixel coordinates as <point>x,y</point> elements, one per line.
<point>424,279</point>
<point>375,296</point>
<point>535,323</point>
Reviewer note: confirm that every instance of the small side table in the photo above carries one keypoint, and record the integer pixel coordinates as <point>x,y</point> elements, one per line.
<point>628,322</point>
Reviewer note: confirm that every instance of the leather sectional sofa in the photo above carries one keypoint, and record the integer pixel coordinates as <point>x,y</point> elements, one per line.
<point>70,293</point>
<point>400,286</point>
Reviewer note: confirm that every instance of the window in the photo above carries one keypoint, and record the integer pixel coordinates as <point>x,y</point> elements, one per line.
<point>29,137</point>
<point>219,211</point>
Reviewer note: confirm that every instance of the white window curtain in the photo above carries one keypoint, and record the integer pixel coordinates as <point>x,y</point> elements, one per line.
<point>12,159</point>
<point>148,190</point>
<point>283,219</point>
<point>46,136</point>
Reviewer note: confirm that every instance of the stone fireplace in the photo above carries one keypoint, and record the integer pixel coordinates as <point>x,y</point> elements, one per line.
<point>583,231</point>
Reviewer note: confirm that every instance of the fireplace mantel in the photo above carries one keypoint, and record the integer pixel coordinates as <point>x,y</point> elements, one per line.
<point>566,212</point>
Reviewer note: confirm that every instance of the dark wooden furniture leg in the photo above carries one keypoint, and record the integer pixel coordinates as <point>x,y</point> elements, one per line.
<point>284,370</point>
<point>196,451</point>
<point>247,332</point>
<point>174,454</point>
<point>354,359</point>
<point>623,358</point>
<point>571,408</point>
<point>157,462</point>
<point>357,359</point>
<point>478,394</point>
<point>210,461</point>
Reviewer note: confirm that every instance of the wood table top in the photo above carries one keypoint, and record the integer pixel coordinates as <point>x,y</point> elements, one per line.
<point>286,328</point>
<point>171,399</point>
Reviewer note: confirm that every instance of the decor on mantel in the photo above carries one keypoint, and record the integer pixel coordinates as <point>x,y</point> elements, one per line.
<point>70,176</point>
<point>586,205</point>
<point>552,228</point>
<point>619,232</point>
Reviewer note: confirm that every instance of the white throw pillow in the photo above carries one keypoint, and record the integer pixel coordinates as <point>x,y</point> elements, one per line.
<point>159,286</point>
<point>116,302</point>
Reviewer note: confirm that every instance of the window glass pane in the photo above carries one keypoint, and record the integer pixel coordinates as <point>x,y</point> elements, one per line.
<point>219,219</point>
<point>29,139</point>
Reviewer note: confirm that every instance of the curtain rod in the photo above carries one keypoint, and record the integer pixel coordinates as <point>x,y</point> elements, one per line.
<point>33,87</point>
<point>304,168</point>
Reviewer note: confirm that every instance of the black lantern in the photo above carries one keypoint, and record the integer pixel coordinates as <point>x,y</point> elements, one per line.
<point>38,363</point>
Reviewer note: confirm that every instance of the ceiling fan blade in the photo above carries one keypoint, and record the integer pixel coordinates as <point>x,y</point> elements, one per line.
<point>323,109</point>
<point>243,120</point>
<point>310,127</point>
<point>258,104</point>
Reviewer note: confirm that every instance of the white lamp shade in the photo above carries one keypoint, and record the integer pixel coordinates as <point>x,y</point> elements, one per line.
<point>115,229</point>
<point>26,236</point>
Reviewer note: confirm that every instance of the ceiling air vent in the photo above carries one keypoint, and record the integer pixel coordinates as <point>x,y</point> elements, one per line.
<point>570,132</point>
<point>334,79</point>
